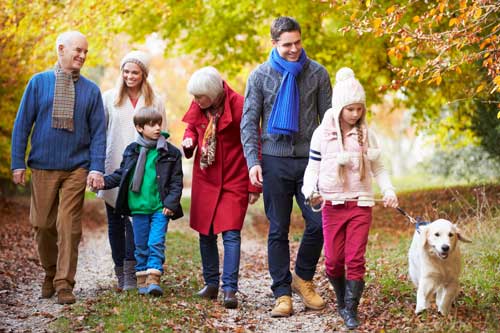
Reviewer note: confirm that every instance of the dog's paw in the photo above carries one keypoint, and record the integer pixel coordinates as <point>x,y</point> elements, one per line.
<point>420,309</point>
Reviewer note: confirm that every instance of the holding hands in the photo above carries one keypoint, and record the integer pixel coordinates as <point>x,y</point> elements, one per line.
<point>95,181</point>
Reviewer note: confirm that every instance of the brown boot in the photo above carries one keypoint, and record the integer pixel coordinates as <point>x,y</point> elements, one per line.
<point>48,289</point>
<point>305,289</point>
<point>283,307</point>
<point>153,282</point>
<point>141,282</point>
<point>65,296</point>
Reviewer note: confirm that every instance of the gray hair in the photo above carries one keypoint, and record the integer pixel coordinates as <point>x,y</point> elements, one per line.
<point>206,81</point>
<point>66,37</point>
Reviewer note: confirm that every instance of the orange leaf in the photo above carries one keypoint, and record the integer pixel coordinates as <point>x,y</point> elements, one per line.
<point>480,88</point>
<point>416,19</point>
<point>377,22</point>
<point>390,9</point>
<point>452,22</point>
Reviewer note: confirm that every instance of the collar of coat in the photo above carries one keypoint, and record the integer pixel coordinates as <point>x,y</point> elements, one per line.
<point>196,117</point>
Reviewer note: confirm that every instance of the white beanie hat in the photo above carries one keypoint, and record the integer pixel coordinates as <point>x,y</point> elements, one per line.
<point>142,59</point>
<point>348,90</point>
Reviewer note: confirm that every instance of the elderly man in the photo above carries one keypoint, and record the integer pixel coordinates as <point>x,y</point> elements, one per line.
<point>63,113</point>
<point>288,95</point>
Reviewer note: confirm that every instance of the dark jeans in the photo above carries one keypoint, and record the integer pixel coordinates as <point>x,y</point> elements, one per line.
<point>121,237</point>
<point>283,179</point>
<point>210,259</point>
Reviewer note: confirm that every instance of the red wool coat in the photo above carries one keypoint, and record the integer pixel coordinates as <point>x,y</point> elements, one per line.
<point>219,193</point>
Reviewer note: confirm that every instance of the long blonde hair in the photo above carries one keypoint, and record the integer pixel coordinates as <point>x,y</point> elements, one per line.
<point>146,91</point>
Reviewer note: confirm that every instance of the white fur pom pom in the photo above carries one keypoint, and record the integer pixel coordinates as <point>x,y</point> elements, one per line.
<point>343,74</point>
<point>343,158</point>
<point>373,154</point>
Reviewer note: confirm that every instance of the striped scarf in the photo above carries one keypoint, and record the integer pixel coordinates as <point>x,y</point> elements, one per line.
<point>209,142</point>
<point>64,99</point>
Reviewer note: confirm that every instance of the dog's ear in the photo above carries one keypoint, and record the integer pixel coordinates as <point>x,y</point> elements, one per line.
<point>424,234</point>
<point>460,235</point>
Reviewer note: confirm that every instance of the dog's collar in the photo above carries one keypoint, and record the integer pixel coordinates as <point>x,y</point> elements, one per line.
<point>419,224</point>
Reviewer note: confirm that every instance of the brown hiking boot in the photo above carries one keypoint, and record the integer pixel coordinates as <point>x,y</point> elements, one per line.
<point>48,289</point>
<point>65,296</point>
<point>283,307</point>
<point>305,289</point>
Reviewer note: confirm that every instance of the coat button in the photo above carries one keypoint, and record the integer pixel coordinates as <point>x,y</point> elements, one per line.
<point>203,126</point>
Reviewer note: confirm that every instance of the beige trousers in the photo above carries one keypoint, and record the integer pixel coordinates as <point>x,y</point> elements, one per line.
<point>56,211</point>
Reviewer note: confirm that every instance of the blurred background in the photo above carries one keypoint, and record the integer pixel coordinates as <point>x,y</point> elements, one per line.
<point>430,69</point>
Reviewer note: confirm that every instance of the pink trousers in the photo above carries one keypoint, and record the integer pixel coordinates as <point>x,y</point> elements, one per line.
<point>345,232</point>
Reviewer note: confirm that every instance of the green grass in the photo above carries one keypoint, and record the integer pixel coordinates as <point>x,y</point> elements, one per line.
<point>476,307</point>
<point>130,312</point>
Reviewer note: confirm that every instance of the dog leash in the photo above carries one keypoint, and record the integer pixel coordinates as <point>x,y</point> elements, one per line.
<point>412,220</point>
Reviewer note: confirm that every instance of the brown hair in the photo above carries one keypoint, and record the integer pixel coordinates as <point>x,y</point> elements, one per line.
<point>147,116</point>
<point>146,91</point>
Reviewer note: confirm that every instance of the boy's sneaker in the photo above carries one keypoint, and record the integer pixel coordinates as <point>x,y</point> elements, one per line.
<point>48,289</point>
<point>65,296</point>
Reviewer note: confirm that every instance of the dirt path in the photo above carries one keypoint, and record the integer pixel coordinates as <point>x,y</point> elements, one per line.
<point>20,303</point>
<point>256,298</point>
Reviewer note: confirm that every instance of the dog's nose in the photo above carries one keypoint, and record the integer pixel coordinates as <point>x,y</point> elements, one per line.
<point>445,248</point>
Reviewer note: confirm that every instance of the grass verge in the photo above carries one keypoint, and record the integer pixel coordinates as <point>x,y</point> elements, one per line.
<point>177,310</point>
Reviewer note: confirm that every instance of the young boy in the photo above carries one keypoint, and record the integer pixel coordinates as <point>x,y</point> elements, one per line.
<point>150,187</point>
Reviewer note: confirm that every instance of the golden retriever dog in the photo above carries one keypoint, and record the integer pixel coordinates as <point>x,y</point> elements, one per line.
<point>434,264</point>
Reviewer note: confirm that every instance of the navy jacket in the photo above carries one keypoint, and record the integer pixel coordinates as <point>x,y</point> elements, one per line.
<point>168,175</point>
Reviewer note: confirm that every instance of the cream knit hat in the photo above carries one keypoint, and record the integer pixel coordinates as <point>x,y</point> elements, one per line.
<point>142,59</point>
<point>347,90</point>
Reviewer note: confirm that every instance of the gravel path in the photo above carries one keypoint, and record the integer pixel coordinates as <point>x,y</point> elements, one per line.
<point>256,298</point>
<point>24,311</point>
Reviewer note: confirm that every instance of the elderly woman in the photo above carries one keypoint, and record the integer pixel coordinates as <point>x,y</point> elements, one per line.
<point>221,190</point>
<point>133,91</point>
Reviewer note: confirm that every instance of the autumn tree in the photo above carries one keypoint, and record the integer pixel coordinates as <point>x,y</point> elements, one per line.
<point>446,58</point>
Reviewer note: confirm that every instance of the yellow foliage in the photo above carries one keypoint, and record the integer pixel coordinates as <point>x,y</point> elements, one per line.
<point>453,22</point>
<point>416,19</point>
<point>377,22</point>
<point>390,9</point>
<point>480,88</point>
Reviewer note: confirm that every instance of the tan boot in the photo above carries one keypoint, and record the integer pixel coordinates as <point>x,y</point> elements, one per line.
<point>283,307</point>
<point>65,296</point>
<point>48,289</point>
<point>153,282</point>
<point>305,289</point>
<point>141,282</point>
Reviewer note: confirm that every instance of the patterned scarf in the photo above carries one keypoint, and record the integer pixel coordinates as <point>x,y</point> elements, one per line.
<point>209,142</point>
<point>64,99</point>
<point>284,118</point>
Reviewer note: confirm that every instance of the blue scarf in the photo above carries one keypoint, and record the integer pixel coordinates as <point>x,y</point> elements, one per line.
<point>284,117</point>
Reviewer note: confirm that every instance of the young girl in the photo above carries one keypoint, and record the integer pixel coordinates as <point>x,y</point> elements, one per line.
<point>343,156</point>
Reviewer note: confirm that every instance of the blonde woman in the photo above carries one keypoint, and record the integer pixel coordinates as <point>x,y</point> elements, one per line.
<point>133,92</point>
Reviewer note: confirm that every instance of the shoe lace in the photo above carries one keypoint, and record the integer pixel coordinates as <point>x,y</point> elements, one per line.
<point>308,288</point>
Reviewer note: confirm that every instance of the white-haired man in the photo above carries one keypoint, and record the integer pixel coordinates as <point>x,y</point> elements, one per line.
<point>63,113</point>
